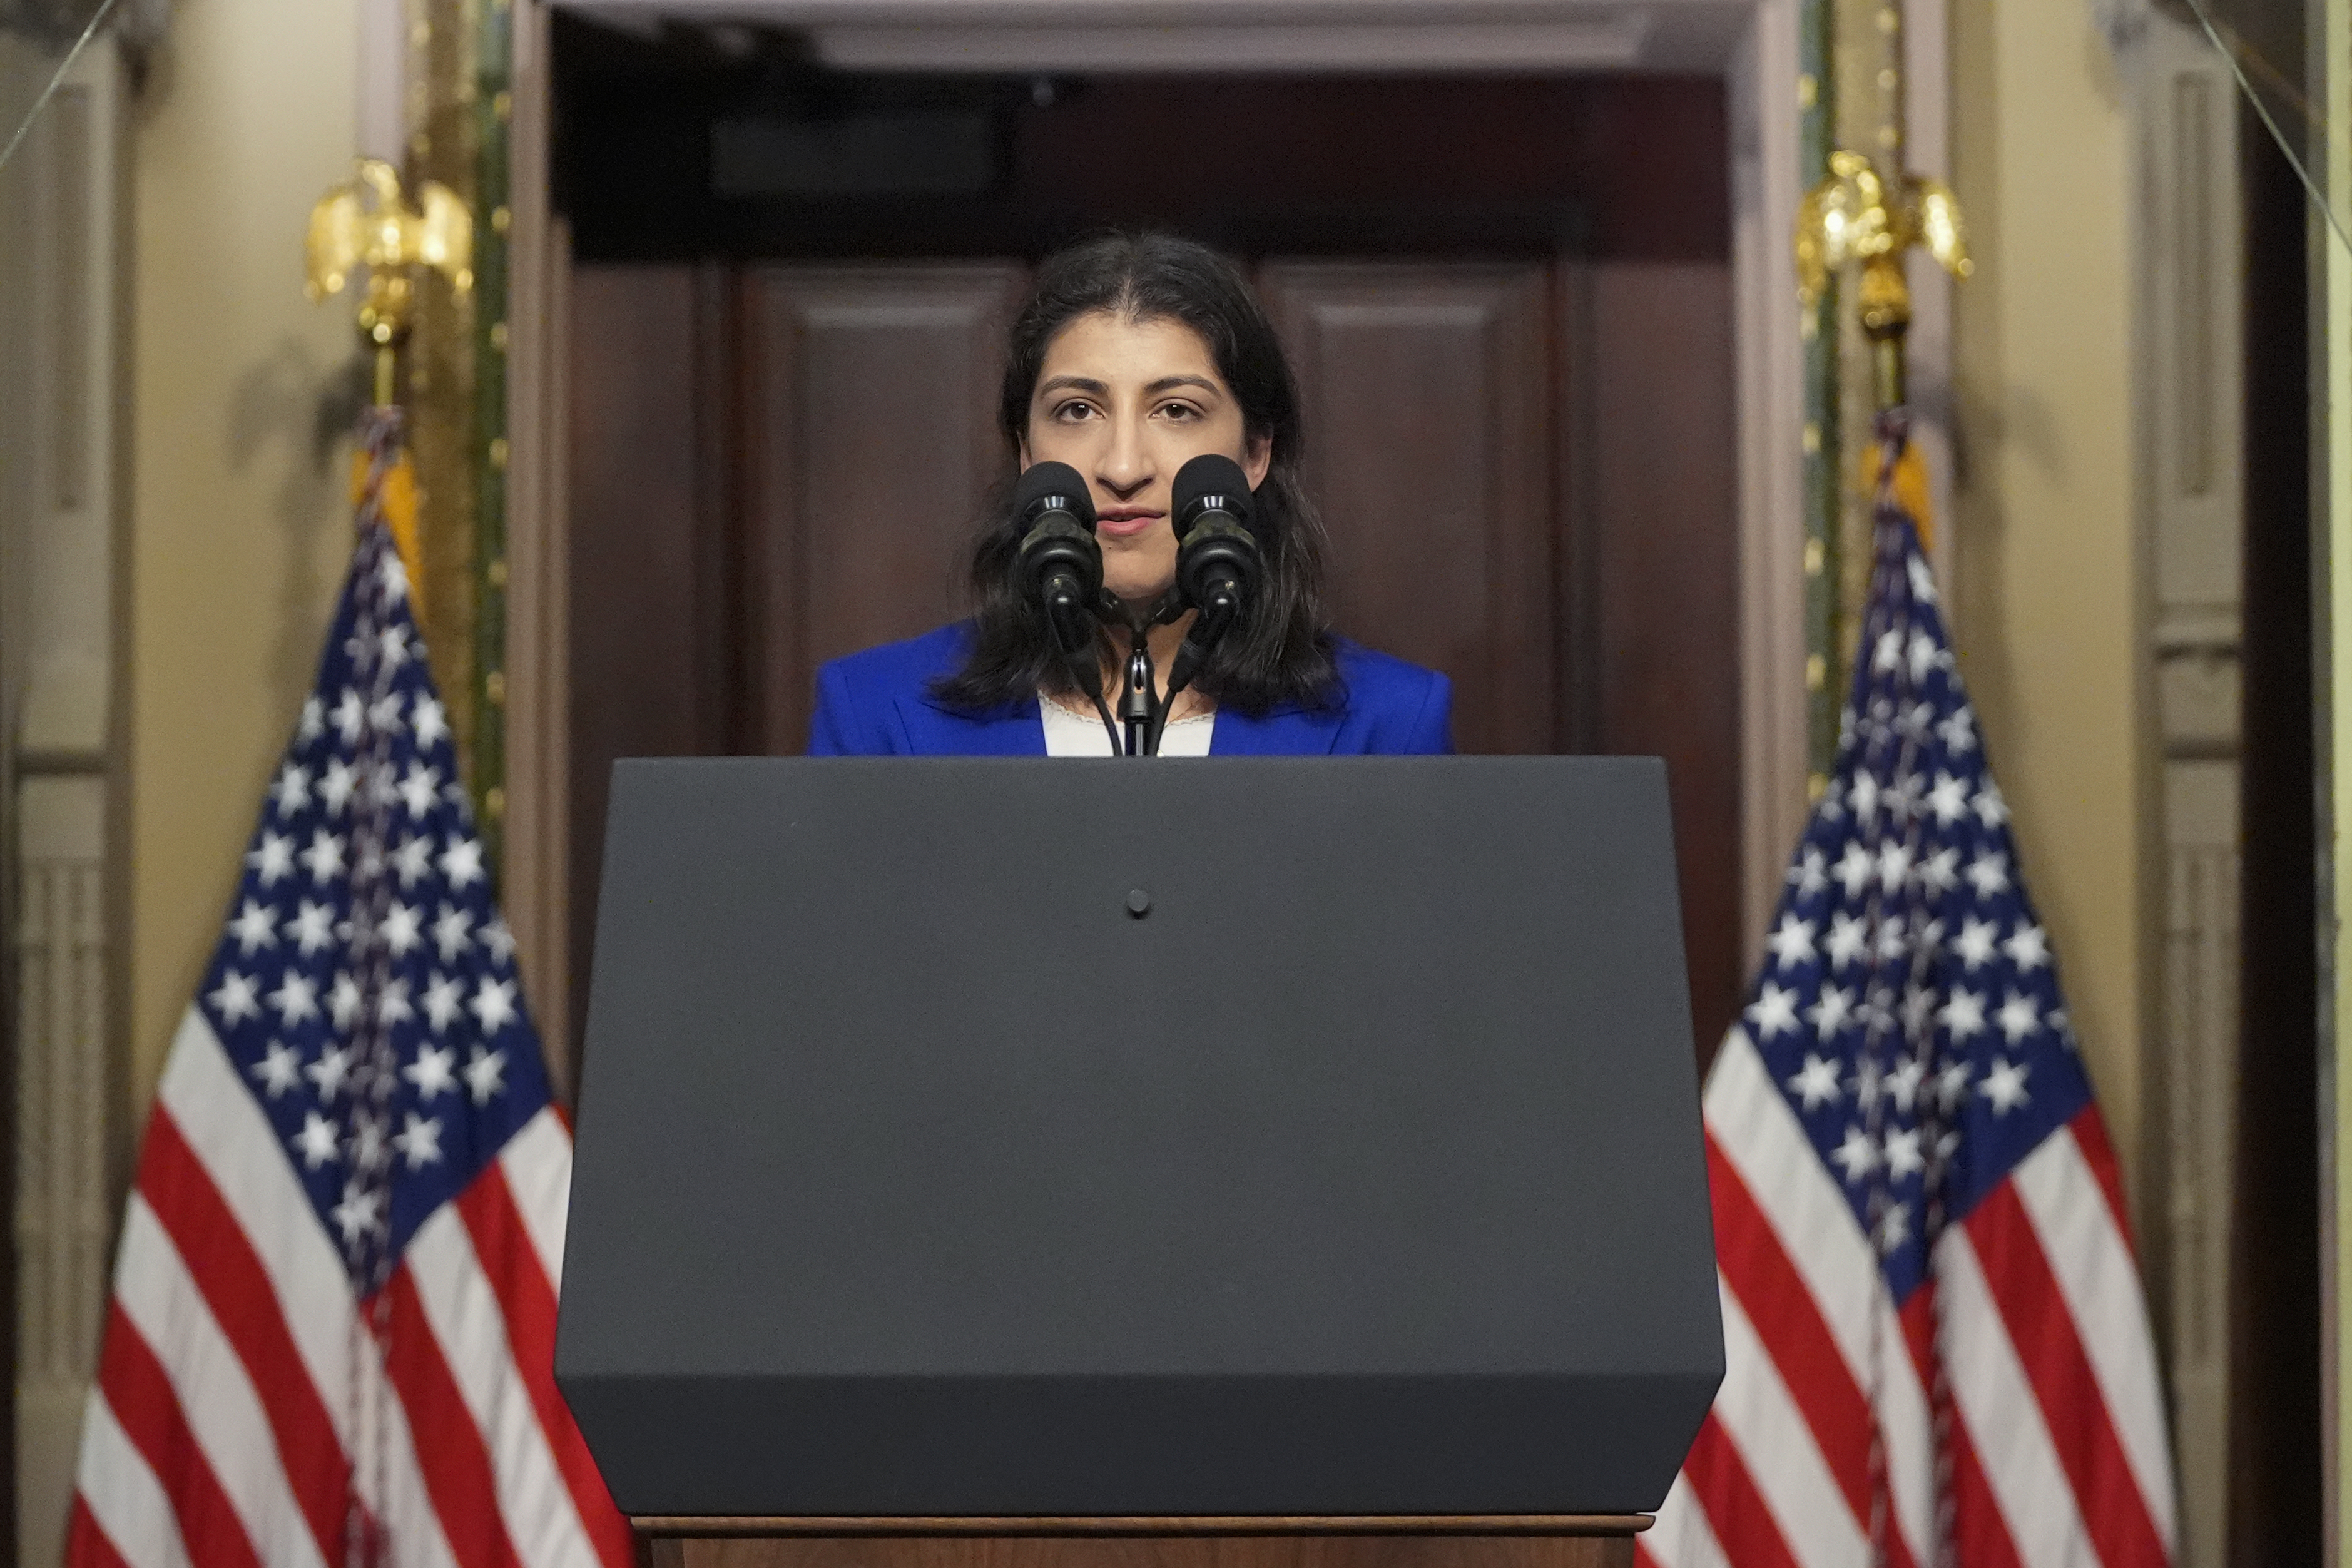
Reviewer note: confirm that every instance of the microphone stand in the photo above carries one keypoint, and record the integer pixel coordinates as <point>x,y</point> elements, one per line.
<point>1139,704</point>
<point>1215,617</point>
<point>1140,709</point>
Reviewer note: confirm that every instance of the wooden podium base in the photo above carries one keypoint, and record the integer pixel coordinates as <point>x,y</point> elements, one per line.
<point>1518,1540</point>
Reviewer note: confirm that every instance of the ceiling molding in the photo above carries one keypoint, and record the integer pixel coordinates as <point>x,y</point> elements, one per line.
<point>1612,42</point>
<point>1226,36</point>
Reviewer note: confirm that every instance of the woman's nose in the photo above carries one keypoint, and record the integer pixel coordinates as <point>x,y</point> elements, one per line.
<point>1126,465</point>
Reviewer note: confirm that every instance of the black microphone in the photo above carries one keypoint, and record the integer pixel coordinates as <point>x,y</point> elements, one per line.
<point>1060,565</point>
<point>1218,567</point>
<point>1059,568</point>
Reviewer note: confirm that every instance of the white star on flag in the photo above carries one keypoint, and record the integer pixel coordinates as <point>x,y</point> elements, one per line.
<point>427,720</point>
<point>433,1072</point>
<point>1817,1085</point>
<point>235,1000</point>
<point>420,1141</point>
<point>485,1074</point>
<point>1792,943</point>
<point>272,858</point>
<point>280,1070</point>
<point>1775,1011</point>
<point>451,932</point>
<point>253,928</point>
<point>318,1143</point>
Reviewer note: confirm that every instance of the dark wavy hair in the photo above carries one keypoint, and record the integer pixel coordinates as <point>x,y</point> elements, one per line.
<point>1281,652</point>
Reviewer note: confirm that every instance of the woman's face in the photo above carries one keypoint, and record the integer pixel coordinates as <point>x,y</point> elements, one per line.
<point>1126,403</point>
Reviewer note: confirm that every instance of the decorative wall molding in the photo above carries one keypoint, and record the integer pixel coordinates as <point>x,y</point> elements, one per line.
<point>64,1213</point>
<point>2187,355</point>
<point>60,247</point>
<point>535,888</point>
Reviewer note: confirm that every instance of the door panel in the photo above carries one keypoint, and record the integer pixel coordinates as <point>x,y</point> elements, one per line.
<point>870,396</point>
<point>1427,403</point>
<point>650,659</point>
<point>1660,561</point>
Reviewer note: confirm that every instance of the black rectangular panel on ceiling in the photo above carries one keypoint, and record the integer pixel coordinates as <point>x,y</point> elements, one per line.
<point>872,156</point>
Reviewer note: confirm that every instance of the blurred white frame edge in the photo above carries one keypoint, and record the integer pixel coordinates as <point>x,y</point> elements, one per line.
<point>1751,43</point>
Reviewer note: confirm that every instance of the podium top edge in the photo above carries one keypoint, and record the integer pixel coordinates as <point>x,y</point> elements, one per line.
<point>1533,1524</point>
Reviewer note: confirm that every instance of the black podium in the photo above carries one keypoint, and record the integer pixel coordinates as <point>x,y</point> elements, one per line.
<point>1251,1163</point>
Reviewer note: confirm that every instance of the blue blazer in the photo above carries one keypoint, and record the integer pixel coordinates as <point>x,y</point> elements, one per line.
<point>879,703</point>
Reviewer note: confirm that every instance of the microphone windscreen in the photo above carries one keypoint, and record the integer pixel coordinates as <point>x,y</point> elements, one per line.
<point>1210,481</point>
<point>1057,483</point>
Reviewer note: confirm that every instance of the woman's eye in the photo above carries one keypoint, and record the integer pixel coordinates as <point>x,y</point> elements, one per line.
<point>1181,413</point>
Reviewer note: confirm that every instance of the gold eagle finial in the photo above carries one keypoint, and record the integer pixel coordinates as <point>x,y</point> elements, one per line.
<point>371,222</point>
<point>1859,217</point>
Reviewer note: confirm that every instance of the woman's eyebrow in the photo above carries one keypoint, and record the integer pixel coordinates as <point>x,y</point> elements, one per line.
<point>1168,382</point>
<point>1074,384</point>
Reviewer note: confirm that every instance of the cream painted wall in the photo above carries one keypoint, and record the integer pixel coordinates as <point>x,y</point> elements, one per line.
<point>2048,591</point>
<point>239,516</point>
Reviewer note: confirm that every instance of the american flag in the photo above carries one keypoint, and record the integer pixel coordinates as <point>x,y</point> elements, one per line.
<point>1936,1346</point>
<point>331,1335</point>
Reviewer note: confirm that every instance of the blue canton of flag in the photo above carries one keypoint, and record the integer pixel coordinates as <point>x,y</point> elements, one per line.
<point>1908,1005</point>
<point>365,989</point>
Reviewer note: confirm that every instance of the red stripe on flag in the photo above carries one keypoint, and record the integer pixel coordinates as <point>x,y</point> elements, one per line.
<point>450,1446</point>
<point>140,1394</point>
<point>1981,1535</point>
<point>1789,1323</point>
<point>86,1544</point>
<point>1744,1527</point>
<point>227,1270</point>
<point>2090,1129</point>
<point>2050,1346</point>
<point>527,1298</point>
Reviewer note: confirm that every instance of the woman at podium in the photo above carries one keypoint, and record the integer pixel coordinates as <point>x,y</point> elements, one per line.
<point>1134,356</point>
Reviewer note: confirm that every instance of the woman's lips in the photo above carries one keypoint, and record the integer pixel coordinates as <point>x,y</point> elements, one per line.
<point>1126,524</point>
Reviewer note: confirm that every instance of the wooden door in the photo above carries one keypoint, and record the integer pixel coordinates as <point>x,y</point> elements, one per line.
<point>869,430</point>
<point>1429,418</point>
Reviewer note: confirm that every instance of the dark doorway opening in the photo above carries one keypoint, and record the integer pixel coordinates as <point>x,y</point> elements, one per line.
<point>1509,300</point>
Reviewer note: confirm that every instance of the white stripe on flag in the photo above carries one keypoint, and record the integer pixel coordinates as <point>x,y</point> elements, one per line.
<point>1682,1537</point>
<point>2101,1285</point>
<point>1760,1137</point>
<point>155,1291</point>
<point>467,1322</point>
<point>1773,1440</point>
<point>122,1494</point>
<point>537,1163</point>
<point>2003,1418</point>
<point>242,1153</point>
